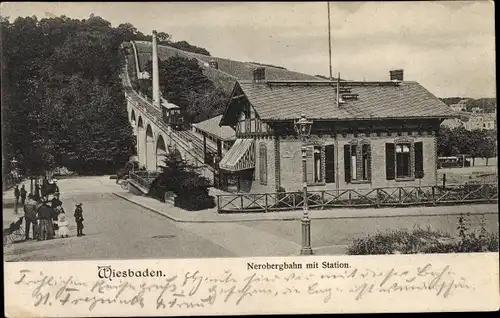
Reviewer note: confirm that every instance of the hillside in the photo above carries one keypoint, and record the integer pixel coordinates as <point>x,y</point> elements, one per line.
<point>229,70</point>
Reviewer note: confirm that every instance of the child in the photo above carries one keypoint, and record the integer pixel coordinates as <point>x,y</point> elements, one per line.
<point>63,224</point>
<point>79,220</point>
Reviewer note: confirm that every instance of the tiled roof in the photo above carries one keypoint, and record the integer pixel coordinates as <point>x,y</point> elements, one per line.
<point>383,100</point>
<point>211,126</point>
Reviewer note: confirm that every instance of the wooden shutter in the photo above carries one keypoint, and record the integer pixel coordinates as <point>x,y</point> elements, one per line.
<point>347,163</point>
<point>329,164</point>
<point>419,160</point>
<point>389,161</point>
<point>310,164</point>
<point>368,151</point>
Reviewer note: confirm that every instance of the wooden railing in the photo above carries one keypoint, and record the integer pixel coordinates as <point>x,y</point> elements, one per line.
<point>376,197</point>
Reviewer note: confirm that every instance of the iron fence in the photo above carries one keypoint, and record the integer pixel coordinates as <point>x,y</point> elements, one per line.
<point>375,197</point>
<point>142,178</point>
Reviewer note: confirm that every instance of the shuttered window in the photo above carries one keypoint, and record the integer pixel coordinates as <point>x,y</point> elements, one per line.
<point>419,160</point>
<point>357,161</point>
<point>403,160</point>
<point>389,161</point>
<point>366,162</point>
<point>263,163</point>
<point>347,163</point>
<point>329,164</point>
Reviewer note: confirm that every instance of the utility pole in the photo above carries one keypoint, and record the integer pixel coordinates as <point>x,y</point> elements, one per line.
<point>329,42</point>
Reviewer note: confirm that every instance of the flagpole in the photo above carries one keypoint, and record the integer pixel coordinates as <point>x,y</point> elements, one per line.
<point>329,43</point>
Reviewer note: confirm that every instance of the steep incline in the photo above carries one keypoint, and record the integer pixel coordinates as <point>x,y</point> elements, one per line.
<point>229,71</point>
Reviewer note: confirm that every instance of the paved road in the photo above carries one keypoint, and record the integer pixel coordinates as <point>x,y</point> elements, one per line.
<point>118,229</point>
<point>114,228</point>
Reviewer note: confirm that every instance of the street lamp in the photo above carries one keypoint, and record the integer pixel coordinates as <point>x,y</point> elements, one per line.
<point>303,129</point>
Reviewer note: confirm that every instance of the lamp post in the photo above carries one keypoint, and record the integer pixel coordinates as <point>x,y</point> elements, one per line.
<point>303,129</point>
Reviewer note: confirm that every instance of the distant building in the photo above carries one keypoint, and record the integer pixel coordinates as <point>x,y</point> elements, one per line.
<point>460,106</point>
<point>482,121</point>
<point>473,121</point>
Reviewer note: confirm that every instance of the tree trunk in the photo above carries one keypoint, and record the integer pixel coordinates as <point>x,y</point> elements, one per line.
<point>487,161</point>
<point>473,161</point>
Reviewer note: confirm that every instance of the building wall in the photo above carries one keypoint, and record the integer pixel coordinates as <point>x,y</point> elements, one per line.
<point>291,162</point>
<point>257,187</point>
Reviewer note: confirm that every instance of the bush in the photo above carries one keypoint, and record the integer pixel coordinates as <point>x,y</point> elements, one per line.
<point>428,241</point>
<point>190,188</point>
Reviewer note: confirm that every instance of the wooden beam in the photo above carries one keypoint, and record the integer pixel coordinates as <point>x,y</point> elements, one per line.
<point>238,96</point>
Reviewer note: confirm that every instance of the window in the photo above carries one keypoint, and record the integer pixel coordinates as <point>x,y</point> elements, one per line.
<point>357,162</point>
<point>263,163</point>
<point>318,173</point>
<point>329,164</point>
<point>404,160</point>
<point>315,164</point>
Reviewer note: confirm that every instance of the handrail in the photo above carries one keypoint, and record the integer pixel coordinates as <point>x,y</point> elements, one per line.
<point>370,197</point>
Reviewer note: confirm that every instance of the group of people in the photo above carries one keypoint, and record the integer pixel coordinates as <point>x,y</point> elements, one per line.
<point>48,217</point>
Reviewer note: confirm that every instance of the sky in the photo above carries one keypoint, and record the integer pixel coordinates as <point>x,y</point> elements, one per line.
<point>448,47</point>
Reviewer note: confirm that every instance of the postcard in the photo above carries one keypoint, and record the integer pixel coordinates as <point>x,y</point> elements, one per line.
<point>228,158</point>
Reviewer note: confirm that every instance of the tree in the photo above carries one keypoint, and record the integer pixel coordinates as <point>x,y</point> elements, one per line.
<point>163,38</point>
<point>62,98</point>
<point>183,83</point>
<point>184,181</point>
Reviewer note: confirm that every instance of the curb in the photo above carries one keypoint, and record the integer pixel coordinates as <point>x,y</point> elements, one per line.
<point>298,218</point>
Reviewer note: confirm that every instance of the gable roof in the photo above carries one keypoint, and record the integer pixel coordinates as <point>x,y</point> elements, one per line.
<point>211,126</point>
<point>376,100</point>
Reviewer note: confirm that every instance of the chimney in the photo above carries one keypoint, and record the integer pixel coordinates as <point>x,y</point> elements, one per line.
<point>396,75</point>
<point>259,74</point>
<point>213,64</point>
<point>156,80</point>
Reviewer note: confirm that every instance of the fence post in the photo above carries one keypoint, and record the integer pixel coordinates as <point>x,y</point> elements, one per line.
<point>434,195</point>
<point>241,200</point>
<point>218,204</point>
<point>322,199</point>
<point>399,195</point>
<point>444,180</point>
<point>378,198</point>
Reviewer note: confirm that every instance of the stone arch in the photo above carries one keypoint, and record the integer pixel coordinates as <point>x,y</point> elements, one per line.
<point>161,151</point>
<point>150,149</point>
<point>141,143</point>
<point>132,117</point>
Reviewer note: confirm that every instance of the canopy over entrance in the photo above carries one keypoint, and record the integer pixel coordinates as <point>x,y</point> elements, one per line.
<point>240,157</point>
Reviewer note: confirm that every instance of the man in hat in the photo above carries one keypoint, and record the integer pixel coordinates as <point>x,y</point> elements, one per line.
<point>79,220</point>
<point>30,208</point>
<point>23,194</point>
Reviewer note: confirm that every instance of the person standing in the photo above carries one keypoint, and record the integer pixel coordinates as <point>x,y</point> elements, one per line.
<point>16,195</point>
<point>79,220</point>
<point>23,194</point>
<point>45,213</point>
<point>30,217</point>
